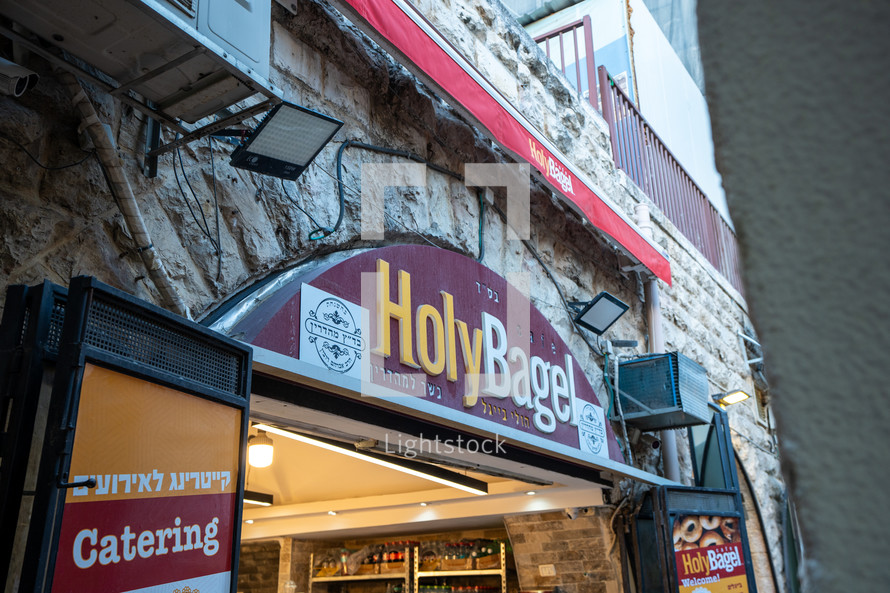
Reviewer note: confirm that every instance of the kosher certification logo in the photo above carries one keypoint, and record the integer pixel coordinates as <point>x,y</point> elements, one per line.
<point>333,330</point>
<point>591,429</point>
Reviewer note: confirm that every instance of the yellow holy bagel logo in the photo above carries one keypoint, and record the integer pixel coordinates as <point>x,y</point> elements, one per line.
<point>490,366</point>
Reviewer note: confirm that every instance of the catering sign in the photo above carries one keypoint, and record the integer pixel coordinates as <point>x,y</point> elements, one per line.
<point>709,555</point>
<point>435,325</point>
<point>161,514</point>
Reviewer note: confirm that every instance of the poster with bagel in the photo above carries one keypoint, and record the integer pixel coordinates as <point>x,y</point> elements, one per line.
<point>708,553</point>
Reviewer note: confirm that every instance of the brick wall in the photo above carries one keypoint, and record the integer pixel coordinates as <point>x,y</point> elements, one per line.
<point>577,548</point>
<point>258,567</point>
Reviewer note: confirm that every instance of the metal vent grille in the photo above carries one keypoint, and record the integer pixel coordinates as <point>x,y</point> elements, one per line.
<point>26,319</point>
<point>654,377</point>
<point>56,320</point>
<point>186,6</point>
<point>664,391</point>
<point>118,331</point>
<point>706,502</point>
<point>693,387</point>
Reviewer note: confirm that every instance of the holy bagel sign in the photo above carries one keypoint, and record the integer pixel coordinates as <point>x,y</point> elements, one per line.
<point>441,327</point>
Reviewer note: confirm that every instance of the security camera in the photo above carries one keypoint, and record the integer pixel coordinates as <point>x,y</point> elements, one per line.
<point>15,79</point>
<point>651,441</point>
<point>572,513</point>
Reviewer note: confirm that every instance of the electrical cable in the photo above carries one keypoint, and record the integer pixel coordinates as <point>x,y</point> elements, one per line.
<point>383,150</point>
<point>608,385</point>
<point>204,228</point>
<point>481,193</point>
<point>313,233</point>
<point>614,533</point>
<point>216,208</point>
<point>357,192</point>
<point>562,297</point>
<point>90,153</point>
<point>188,203</point>
<point>394,219</point>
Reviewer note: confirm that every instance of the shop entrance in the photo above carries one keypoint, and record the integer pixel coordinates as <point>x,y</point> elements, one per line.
<point>396,504</point>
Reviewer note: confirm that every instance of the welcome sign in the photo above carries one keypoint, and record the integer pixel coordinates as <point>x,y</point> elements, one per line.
<point>437,326</point>
<point>709,555</point>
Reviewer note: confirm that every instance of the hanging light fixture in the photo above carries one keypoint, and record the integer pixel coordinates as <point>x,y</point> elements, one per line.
<point>600,313</point>
<point>259,450</point>
<point>285,142</point>
<point>258,498</point>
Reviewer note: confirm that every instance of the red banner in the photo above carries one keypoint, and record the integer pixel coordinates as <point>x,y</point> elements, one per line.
<point>426,51</point>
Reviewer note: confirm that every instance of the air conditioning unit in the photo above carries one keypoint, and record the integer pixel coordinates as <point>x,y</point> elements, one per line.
<point>188,58</point>
<point>662,391</point>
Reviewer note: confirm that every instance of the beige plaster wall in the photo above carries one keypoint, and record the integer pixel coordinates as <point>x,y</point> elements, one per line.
<point>797,92</point>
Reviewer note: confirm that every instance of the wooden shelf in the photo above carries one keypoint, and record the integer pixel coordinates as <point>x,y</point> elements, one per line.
<point>397,576</point>
<point>428,574</point>
<point>403,576</point>
<point>459,573</point>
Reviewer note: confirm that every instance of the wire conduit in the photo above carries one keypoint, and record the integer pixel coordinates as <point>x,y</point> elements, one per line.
<point>120,187</point>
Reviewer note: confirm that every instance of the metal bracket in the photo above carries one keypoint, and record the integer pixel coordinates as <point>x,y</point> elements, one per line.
<point>89,483</point>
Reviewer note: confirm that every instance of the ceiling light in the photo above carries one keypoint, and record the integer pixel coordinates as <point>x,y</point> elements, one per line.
<point>531,493</point>
<point>731,397</point>
<point>424,504</point>
<point>285,142</point>
<point>414,468</point>
<point>332,513</point>
<point>600,313</point>
<point>259,450</point>
<point>258,498</point>
<point>249,521</point>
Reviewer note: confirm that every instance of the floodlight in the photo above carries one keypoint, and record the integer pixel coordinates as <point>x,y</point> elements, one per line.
<point>599,314</point>
<point>286,141</point>
<point>731,397</point>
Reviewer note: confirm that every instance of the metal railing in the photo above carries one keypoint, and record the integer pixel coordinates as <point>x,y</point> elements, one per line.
<point>640,153</point>
<point>574,56</point>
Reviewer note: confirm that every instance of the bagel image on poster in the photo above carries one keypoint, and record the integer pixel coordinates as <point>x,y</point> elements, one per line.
<point>708,554</point>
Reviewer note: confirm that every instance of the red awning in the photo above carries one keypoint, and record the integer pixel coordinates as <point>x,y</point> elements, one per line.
<point>404,32</point>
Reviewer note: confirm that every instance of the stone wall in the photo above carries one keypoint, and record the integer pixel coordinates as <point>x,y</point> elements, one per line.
<point>258,567</point>
<point>60,223</point>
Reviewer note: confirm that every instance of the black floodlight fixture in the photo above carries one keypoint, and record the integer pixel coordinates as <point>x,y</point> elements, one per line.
<point>599,314</point>
<point>286,141</point>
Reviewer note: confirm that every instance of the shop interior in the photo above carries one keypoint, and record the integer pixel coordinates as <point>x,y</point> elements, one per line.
<point>369,503</point>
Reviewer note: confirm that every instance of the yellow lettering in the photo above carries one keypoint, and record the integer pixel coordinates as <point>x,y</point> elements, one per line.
<point>437,364</point>
<point>450,342</point>
<point>472,362</point>
<point>401,311</point>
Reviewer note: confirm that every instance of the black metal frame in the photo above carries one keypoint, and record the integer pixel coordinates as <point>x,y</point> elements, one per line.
<point>666,514</point>
<point>28,332</point>
<point>719,437</point>
<point>662,513</point>
<point>74,351</point>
